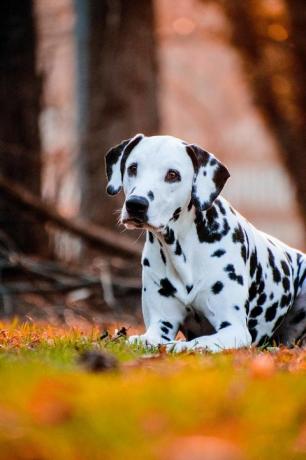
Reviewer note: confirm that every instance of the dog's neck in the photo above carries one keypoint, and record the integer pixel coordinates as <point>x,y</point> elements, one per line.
<point>177,238</point>
<point>176,243</point>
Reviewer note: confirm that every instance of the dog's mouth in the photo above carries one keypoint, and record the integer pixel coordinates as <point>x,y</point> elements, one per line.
<point>132,223</point>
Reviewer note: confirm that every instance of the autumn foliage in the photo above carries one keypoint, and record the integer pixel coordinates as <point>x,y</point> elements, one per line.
<point>68,394</point>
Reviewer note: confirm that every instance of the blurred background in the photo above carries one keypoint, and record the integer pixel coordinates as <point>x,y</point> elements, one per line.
<point>78,76</point>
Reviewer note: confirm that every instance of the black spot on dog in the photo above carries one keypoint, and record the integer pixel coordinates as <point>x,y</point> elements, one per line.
<point>247,244</point>
<point>211,216</point>
<point>144,289</point>
<point>298,276</point>
<point>252,291</point>
<point>285,267</point>
<point>261,299</point>
<point>286,284</point>
<point>237,278</point>
<point>247,307</point>
<point>243,253</point>
<point>256,312</point>
<point>224,324</point>
<point>146,262</point>
<point>164,329</point>
<point>221,175</point>
<point>167,289</point>
<point>178,249</point>
<point>298,317</point>
<point>218,253</point>
<point>253,333</point>
<point>271,312</point>
<point>264,340</point>
<point>275,271</point>
<point>289,256</point>
<point>259,274</point>
<point>151,195</point>
<point>162,254</point>
<point>229,268</point>
<point>188,288</point>
<point>127,152</point>
<point>204,173</point>
<point>276,275</point>
<point>232,274</point>
<point>176,214</point>
<point>252,323</point>
<point>165,337</point>
<point>286,300</point>
<point>189,205</point>
<point>169,236</point>
<point>151,237</point>
<point>238,235</point>
<point>217,287</point>
<point>213,162</point>
<point>221,207</point>
<point>236,307</point>
<point>113,156</point>
<point>261,287</point>
<point>271,296</point>
<point>253,263</point>
<point>209,230</point>
<point>167,324</point>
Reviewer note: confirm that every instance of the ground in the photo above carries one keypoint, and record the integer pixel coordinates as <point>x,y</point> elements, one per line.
<point>68,394</point>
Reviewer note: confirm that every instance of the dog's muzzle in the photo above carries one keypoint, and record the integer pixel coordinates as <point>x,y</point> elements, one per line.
<point>137,207</point>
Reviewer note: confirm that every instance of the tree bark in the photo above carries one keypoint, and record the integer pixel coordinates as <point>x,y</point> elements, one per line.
<point>276,66</point>
<point>20,88</point>
<point>117,85</point>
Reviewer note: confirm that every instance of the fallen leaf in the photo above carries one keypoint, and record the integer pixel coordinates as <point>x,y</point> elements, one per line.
<point>201,448</point>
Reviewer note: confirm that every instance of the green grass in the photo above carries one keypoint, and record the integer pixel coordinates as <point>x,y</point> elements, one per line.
<point>250,404</point>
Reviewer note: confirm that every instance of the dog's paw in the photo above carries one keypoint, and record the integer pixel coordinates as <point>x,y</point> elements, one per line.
<point>181,345</point>
<point>145,340</point>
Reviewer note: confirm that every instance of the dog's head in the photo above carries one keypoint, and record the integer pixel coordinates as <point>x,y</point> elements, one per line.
<point>161,176</point>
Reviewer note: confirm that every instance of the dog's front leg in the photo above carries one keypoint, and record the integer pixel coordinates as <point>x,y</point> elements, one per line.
<point>163,316</point>
<point>225,309</point>
<point>232,336</point>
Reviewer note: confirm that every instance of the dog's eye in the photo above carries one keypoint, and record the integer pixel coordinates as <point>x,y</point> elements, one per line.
<point>172,176</point>
<point>132,169</point>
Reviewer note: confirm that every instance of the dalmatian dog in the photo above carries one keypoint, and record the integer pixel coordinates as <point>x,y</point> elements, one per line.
<point>206,270</point>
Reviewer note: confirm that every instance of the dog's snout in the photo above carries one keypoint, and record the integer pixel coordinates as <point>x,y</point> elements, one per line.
<point>137,206</point>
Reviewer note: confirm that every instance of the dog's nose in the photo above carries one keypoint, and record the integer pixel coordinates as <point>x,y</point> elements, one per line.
<point>137,206</point>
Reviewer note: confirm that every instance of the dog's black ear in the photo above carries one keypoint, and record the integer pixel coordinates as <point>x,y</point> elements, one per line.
<point>113,160</point>
<point>209,179</point>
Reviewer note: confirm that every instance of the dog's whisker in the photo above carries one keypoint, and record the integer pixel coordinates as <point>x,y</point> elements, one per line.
<point>117,211</point>
<point>137,239</point>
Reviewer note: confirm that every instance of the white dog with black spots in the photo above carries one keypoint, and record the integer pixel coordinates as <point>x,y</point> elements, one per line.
<point>206,270</point>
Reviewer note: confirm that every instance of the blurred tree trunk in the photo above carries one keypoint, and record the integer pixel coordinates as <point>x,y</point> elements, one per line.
<point>272,41</point>
<point>117,90</point>
<point>19,132</point>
